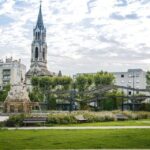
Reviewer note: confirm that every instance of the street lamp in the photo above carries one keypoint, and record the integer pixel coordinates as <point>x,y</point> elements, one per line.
<point>133,105</point>
<point>72,97</point>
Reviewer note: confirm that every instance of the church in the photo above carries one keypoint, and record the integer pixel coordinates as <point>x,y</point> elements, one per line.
<point>38,65</point>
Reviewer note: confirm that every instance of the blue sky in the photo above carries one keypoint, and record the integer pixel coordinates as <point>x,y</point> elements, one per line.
<point>82,35</point>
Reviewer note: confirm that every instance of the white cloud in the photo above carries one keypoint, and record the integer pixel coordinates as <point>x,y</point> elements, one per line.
<point>108,35</point>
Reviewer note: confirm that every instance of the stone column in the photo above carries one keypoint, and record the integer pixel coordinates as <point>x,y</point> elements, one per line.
<point>8,108</point>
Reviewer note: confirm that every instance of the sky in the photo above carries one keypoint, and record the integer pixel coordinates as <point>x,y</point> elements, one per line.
<point>83,36</point>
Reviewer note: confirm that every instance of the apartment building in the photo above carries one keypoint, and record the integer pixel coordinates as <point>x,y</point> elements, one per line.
<point>11,71</point>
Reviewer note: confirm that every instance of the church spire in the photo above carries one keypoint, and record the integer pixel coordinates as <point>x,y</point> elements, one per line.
<point>40,23</point>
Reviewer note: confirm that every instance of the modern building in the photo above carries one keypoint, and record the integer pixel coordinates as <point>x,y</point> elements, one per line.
<point>134,78</point>
<point>38,65</point>
<point>11,71</point>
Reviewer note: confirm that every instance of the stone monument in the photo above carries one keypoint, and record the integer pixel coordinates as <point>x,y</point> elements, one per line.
<point>18,100</point>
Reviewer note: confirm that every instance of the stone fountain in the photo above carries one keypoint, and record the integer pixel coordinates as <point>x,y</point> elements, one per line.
<point>18,100</point>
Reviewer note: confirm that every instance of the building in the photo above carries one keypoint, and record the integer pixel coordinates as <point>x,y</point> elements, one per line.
<point>38,65</point>
<point>134,78</point>
<point>11,71</point>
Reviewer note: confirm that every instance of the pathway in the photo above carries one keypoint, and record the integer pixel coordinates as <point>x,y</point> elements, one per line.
<point>79,128</point>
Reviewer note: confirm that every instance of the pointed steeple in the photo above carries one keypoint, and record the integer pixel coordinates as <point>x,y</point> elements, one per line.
<point>40,23</point>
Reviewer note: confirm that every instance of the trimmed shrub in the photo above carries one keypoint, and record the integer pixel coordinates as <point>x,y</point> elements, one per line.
<point>99,116</point>
<point>136,115</point>
<point>70,118</point>
<point>15,120</point>
<point>61,118</point>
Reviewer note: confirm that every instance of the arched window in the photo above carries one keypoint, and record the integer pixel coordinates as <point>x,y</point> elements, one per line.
<point>36,53</point>
<point>38,35</point>
<point>44,53</point>
<point>43,35</point>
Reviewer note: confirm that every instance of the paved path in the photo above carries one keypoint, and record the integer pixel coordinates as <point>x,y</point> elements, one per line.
<point>3,118</point>
<point>79,128</point>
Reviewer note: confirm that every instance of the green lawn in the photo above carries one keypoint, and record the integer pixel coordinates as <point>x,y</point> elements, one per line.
<point>74,139</point>
<point>143,122</point>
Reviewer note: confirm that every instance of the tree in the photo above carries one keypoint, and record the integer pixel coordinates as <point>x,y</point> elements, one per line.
<point>148,78</point>
<point>88,81</point>
<point>43,87</point>
<point>47,86</point>
<point>113,100</point>
<point>103,78</point>
<point>4,92</point>
<point>81,82</point>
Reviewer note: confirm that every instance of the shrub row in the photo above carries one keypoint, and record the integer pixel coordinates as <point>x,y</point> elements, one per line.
<point>137,115</point>
<point>70,118</point>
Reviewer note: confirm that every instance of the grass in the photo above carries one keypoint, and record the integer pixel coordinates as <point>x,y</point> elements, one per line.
<point>74,139</point>
<point>143,122</point>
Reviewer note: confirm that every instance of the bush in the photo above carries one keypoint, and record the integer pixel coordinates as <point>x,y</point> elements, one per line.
<point>2,124</point>
<point>69,118</point>
<point>61,118</point>
<point>15,120</point>
<point>99,116</point>
<point>136,115</point>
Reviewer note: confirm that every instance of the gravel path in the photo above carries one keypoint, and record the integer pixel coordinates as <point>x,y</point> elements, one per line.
<point>79,128</point>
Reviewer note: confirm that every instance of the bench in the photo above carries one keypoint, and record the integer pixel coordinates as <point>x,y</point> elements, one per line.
<point>80,118</point>
<point>121,117</point>
<point>33,120</point>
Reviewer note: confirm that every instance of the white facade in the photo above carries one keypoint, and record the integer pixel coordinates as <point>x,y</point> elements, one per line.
<point>135,78</point>
<point>11,71</point>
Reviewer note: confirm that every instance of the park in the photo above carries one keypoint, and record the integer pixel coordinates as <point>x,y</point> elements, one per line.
<point>82,106</point>
<point>106,124</point>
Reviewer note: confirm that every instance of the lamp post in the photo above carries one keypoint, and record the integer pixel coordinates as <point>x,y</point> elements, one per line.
<point>133,105</point>
<point>122,103</point>
<point>72,97</point>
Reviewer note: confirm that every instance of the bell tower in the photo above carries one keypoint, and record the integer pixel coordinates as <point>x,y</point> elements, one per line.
<point>38,65</point>
<point>39,45</point>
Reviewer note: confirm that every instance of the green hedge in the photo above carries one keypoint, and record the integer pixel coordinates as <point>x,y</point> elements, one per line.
<point>15,120</point>
<point>70,118</point>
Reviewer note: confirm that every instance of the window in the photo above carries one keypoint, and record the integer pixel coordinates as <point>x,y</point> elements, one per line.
<point>44,53</point>
<point>129,81</point>
<point>137,92</point>
<point>129,93</point>
<point>6,77</point>
<point>36,53</point>
<point>6,82</point>
<point>122,75</point>
<point>122,81</point>
<point>43,36</point>
<point>129,75</point>
<point>38,35</point>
